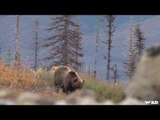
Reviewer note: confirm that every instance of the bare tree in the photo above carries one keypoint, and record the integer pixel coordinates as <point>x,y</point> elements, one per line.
<point>109,19</point>
<point>17,54</point>
<point>96,53</point>
<point>36,44</point>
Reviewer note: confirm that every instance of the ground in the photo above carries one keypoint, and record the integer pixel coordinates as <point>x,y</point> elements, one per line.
<point>40,82</point>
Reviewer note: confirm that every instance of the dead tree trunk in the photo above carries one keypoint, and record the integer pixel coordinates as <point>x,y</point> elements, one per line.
<point>97,43</point>
<point>17,54</point>
<point>36,45</point>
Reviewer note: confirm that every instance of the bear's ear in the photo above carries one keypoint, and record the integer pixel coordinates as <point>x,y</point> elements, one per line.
<point>72,73</point>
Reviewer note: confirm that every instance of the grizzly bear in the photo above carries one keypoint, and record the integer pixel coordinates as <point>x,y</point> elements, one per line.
<point>67,79</point>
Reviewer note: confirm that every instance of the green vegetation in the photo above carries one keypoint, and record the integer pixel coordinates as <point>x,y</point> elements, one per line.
<point>104,90</point>
<point>9,57</point>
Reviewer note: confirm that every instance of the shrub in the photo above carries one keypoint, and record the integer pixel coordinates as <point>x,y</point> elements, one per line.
<point>46,76</point>
<point>11,76</point>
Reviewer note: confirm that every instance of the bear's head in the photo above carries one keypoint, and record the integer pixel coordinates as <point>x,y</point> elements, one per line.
<point>75,81</point>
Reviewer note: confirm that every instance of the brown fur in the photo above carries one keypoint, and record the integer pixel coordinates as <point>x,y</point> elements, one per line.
<point>67,79</point>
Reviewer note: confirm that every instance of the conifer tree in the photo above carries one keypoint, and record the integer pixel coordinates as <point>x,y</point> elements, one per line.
<point>130,64</point>
<point>61,42</point>
<point>139,41</point>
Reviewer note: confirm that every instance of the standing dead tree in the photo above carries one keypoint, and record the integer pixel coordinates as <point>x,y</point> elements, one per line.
<point>110,29</point>
<point>96,53</point>
<point>36,44</point>
<point>17,53</point>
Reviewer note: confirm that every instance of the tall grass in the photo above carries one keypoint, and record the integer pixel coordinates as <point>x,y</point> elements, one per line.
<point>104,90</point>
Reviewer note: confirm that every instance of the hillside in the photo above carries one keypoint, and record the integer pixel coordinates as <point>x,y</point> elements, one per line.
<point>40,82</point>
